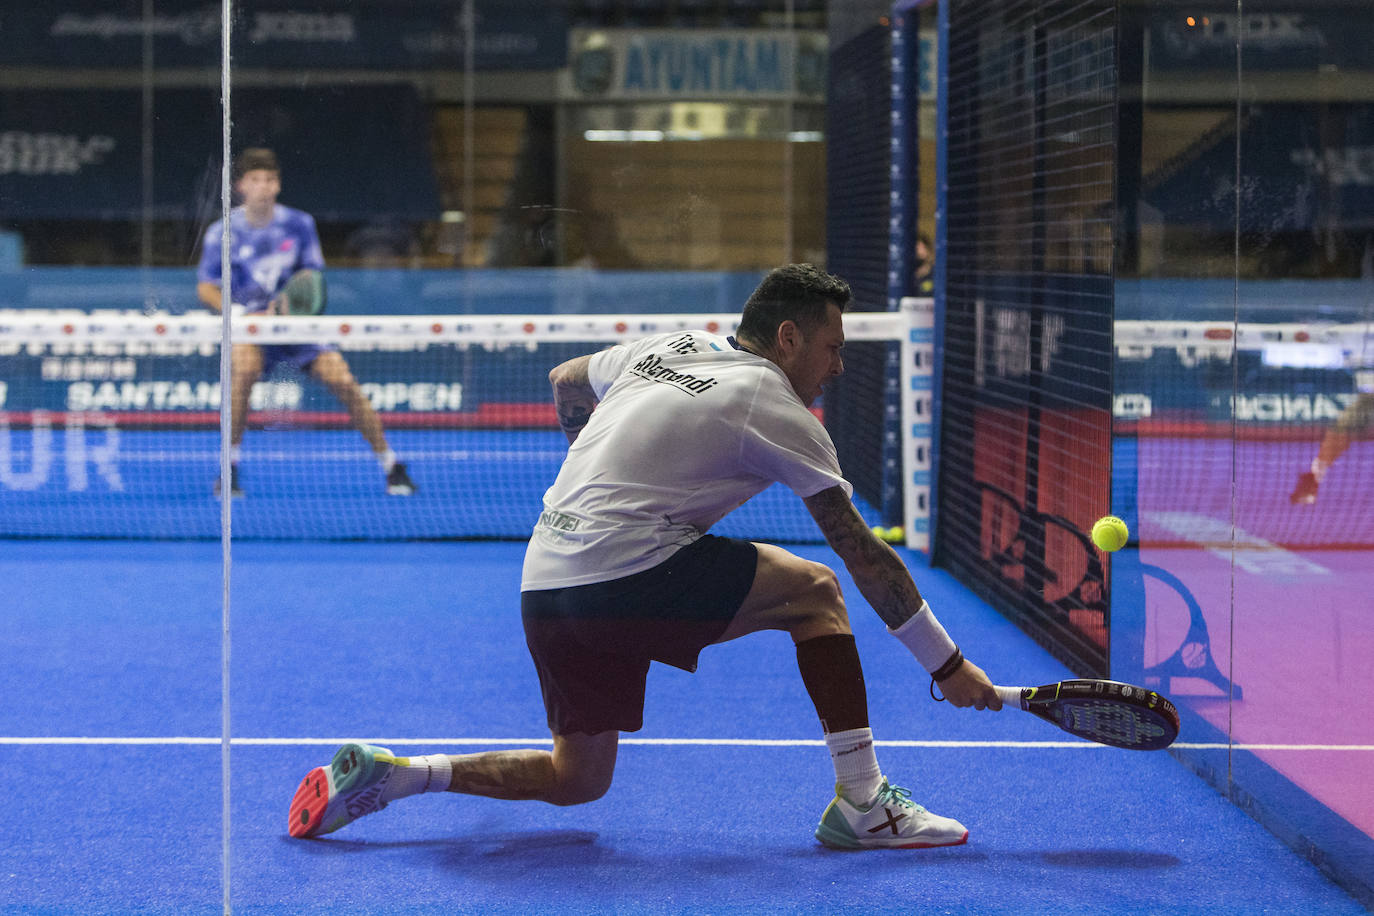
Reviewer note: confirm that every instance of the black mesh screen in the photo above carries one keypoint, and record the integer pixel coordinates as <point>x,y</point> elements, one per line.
<point>858,131</point>
<point>1026,401</point>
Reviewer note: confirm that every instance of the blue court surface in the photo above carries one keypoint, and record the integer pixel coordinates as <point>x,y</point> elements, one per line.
<point>110,745</point>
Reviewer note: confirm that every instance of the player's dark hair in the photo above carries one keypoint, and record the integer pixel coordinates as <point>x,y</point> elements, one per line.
<point>254,159</point>
<point>796,292</point>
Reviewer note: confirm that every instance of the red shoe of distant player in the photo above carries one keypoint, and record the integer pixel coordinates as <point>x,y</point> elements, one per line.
<point>1305,493</point>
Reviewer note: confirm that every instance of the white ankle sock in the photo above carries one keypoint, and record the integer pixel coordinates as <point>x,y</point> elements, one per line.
<point>388,460</point>
<point>856,764</point>
<point>413,775</point>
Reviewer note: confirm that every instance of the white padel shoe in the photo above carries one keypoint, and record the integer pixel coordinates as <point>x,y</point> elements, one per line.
<point>893,821</point>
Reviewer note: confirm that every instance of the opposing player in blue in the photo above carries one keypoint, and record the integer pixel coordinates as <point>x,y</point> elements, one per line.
<point>668,434</point>
<point>271,244</point>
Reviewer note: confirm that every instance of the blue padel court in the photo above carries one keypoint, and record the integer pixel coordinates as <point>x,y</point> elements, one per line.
<point>111,736</point>
<point>1096,261</point>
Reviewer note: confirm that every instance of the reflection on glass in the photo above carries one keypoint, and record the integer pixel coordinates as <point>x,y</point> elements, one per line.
<point>1243,342</point>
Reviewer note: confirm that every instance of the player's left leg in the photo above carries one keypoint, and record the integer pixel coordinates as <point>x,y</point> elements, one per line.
<point>331,369</point>
<point>363,779</point>
<point>248,361</point>
<point>578,771</point>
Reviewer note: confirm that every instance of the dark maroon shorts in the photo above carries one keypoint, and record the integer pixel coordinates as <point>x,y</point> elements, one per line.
<point>592,644</point>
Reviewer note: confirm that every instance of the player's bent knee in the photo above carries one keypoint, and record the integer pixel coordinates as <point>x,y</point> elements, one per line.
<point>581,790</point>
<point>827,584</point>
<point>800,597</point>
<point>583,767</point>
<point>815,607</point>
<point>579,784</point>
<point>826,603</point>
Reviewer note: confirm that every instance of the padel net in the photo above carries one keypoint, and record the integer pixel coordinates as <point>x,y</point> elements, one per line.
<point>109,424</point>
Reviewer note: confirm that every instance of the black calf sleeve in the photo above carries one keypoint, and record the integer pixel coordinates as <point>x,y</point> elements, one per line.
<point>834,678</point>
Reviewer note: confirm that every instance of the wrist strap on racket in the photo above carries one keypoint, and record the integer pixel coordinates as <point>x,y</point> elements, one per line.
<point>945,671</point>
<point>948,667</point>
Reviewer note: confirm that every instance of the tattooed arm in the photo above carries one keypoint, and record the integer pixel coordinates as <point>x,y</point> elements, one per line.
<point>879,573</point>
<point>886,584</point>
<point>573,397</point>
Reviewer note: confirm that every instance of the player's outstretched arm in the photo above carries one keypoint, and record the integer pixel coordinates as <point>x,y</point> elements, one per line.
<point>886,584</point>
<point>573,396</point>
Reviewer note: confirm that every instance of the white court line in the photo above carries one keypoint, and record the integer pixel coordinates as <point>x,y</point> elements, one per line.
<point>1250,553</point>
<point>659,742</point>
<point>167,457</point>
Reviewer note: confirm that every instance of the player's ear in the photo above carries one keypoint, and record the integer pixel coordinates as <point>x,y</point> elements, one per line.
<point>789,337</point>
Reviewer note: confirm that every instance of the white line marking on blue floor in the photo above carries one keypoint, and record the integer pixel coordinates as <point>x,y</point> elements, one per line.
<point>314,458</point>
<point>658,742</point>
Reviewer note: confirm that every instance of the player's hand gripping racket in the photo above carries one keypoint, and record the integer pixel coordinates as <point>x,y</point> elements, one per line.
<point>1108,712</point>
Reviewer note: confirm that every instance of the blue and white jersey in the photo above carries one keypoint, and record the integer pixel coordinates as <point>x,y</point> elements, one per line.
<point>264,257</point>
<point>688,427</point>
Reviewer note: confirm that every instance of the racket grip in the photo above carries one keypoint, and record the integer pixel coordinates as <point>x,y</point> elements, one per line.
<point>1011,696</point>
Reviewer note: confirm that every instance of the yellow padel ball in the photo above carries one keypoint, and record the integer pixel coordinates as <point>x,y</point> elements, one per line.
<point>1110,533</point>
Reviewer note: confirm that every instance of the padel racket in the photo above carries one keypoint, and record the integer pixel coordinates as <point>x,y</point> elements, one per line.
<point>305,293</point>
<point>1108,712</point>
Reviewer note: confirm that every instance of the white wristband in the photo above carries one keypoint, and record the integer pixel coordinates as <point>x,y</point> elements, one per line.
<point>926,639</point>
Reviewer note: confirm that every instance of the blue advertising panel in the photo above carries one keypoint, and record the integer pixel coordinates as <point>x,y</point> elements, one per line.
<point>176,383</point>
<point>79,154</point>
<point>347,152</point>
<point>394,35</point>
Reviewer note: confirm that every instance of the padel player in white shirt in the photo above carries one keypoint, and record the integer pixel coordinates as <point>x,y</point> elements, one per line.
<point>669,434</point>
<point>688,427</point>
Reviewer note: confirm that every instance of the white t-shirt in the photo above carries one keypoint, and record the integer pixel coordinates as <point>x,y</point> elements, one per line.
<point>687,429</point>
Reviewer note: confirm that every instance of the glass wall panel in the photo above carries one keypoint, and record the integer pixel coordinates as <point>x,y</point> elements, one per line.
<point>1244,308</point>
<point>110,614</point>
<point>453,160</point>
<point>1303,539</point>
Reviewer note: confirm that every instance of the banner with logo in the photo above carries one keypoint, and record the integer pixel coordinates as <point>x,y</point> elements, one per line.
<point>696,64</point>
